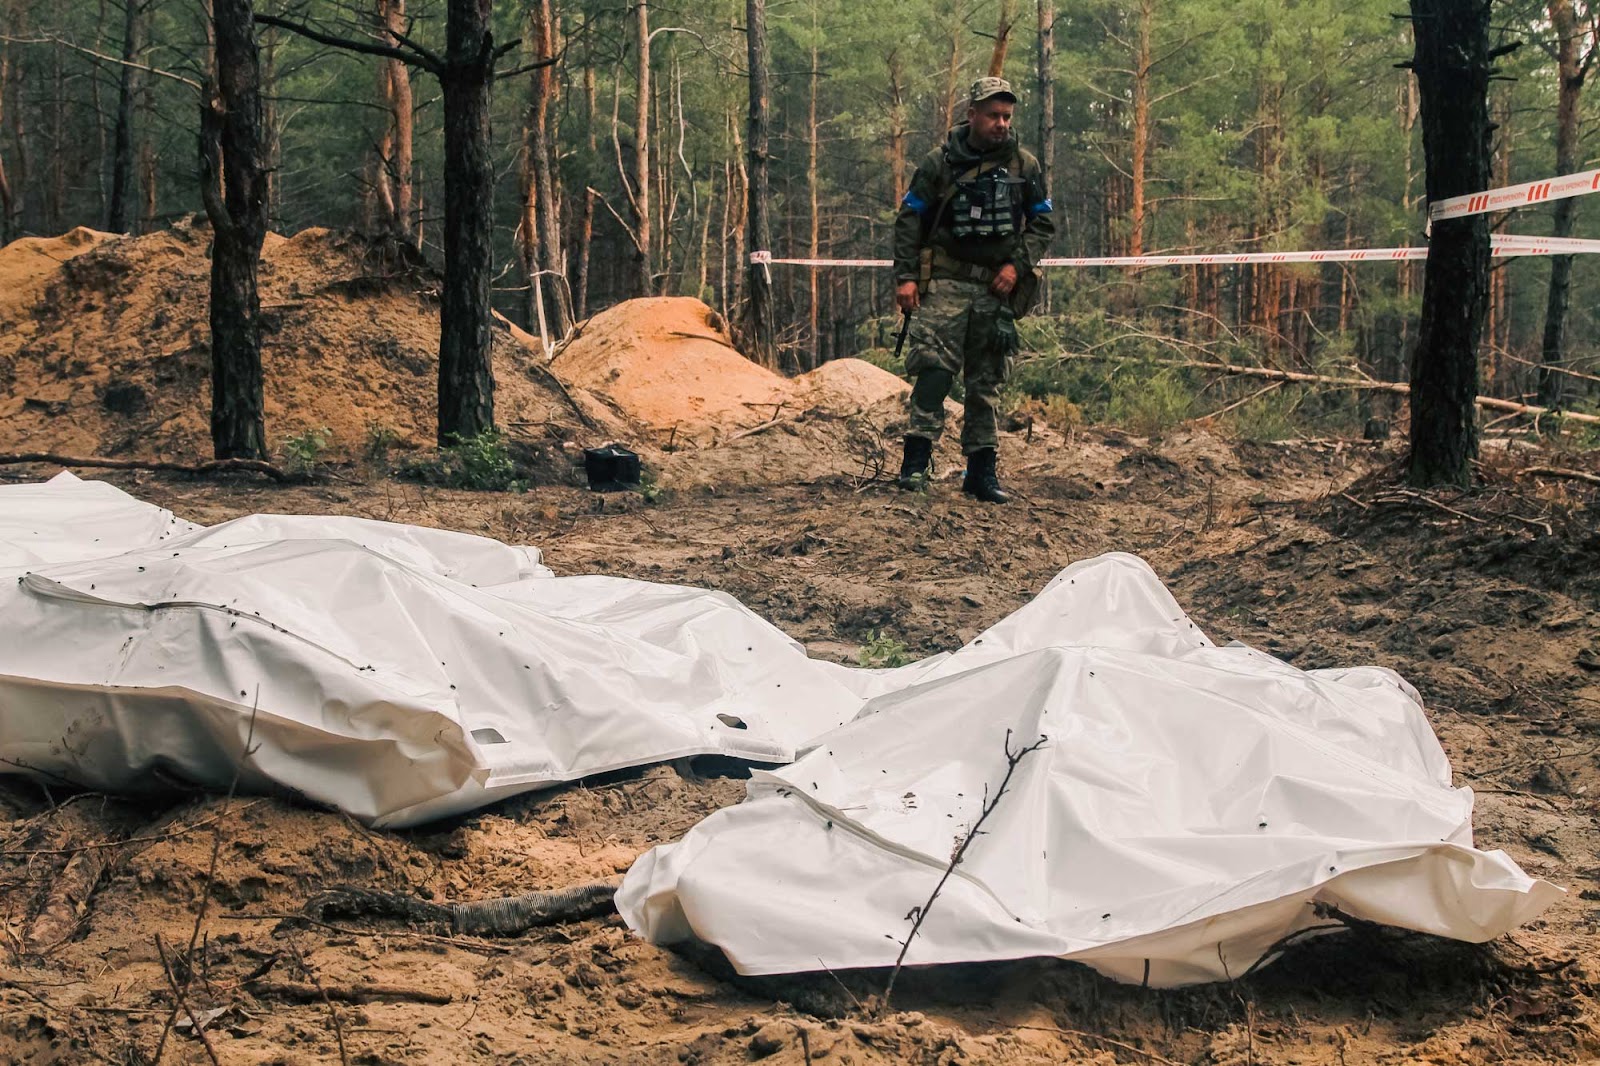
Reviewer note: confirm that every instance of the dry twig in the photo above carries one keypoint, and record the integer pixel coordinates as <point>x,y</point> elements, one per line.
<point>989,805</point>
<point>1560,472</point>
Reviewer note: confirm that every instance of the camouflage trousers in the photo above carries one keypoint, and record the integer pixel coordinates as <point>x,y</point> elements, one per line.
<point>960,328</point>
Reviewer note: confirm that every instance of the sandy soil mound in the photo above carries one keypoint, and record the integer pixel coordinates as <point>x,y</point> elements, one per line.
<point>108,353</point>
<point>714,418</point>
<point>669,362</point>
<point>849,382</point>
<point>28,262</point>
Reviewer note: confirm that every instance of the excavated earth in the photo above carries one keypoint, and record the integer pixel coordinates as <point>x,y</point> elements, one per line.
<point>1488,601</point>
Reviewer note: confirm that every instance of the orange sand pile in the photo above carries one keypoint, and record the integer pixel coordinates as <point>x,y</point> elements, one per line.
<point>105,349</point>
<point>27,263</point>
<point>668,361</point>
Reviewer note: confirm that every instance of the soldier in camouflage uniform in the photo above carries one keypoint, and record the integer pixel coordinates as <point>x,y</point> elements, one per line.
<point>967,238</point>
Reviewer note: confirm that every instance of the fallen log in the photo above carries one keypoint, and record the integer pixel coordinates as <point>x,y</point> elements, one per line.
<point>1399,388</point>
<point>216,466</point>
<point>305,992</point>
<point>1560,472</point>
<point>500,916</point>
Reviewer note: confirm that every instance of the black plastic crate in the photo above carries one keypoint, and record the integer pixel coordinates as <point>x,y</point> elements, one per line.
<point>612,468</point>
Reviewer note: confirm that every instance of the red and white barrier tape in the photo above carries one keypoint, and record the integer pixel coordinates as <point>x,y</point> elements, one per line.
<point>1532,192</point>
<point>1500,245</point>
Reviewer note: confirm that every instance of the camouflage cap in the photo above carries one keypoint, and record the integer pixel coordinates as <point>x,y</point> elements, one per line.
<point>984,88</point>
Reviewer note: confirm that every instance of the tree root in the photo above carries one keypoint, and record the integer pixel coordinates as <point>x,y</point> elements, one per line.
<point>501,916</point>
<point>216,467</point>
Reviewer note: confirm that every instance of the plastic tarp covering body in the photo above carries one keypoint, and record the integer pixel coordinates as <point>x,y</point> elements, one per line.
<point>1191,806</point>
<point>397,673</point>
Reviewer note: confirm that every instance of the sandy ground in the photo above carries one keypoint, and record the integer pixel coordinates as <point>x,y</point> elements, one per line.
<point>1489,602</point>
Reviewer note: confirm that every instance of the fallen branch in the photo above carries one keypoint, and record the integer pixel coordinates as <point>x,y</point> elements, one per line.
<point>1396,495</point>
<point>1399,388</point>
<point>67,904</point>
<point>181,1003</point>
<point>1232,406</point>
<point>323,994</point>
<point>501,916</point>
<point>1106,1040</point>
<point>1560,472</point>
<point>100,845</point>
<point>297,920</point>
<point>762,428</point>
<point>216,466</point>
<point>306,992</point>
<point>560,386</point>
<point>989,804</point>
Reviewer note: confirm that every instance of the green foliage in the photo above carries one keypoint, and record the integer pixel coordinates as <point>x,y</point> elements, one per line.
<point>1273,125</point>
<point>483,462</point>
<point>1147,403</point>
<point>380,438</point>
<point>649,488</point>
<point>1267,418</point>
<point>884,359</point>
<point>883,652</point>
<point>302,452</point>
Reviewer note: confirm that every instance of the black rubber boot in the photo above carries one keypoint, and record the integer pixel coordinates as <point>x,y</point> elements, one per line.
<point>914,466</point>
<point>981,480</point>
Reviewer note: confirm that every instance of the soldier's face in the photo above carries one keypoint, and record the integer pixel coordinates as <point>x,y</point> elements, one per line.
<point>989,122</point>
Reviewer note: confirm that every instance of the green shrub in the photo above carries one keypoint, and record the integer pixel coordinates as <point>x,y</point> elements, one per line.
<point>883,652</point>
<point>380,438</point>
<point>302,452</point>
<point>1147,404</point>
<point>1267,418</point>
<point>482,462</point>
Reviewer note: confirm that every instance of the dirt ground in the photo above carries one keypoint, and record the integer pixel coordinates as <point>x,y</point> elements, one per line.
<point>1489,602</point>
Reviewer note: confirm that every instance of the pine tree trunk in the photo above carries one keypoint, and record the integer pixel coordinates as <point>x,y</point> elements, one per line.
<point>897,130</point>
<point>546,219</point>
<point>1453,67</point>
<point>580,283</point>
<point>396,180</point>
<point>466,377</point>
<point>128,87</point>
<point>811,187</point>
<point>1002,42</point>
<point>1046,93</point>
<point>1141,128</point>
<point>759,324</point>
<point>17,18</point>
<point>644,281</point>
<point>271,130</point>
<point>1570,75</point>
<point>952,79</point>
<point>56,191</point>
<point>231,136</point>
<point>8,202</point>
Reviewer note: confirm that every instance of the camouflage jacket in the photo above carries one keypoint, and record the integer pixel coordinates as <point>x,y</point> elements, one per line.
<point>935,176</point>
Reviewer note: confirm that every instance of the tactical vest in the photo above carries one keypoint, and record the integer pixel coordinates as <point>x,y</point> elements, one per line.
<point>989,201</point>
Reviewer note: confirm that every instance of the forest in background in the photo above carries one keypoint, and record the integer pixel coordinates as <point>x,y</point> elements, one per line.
<point>1183,125</point>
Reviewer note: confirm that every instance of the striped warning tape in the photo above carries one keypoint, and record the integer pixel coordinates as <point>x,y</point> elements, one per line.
<point>1532,192</point>
<point>1500,246</point>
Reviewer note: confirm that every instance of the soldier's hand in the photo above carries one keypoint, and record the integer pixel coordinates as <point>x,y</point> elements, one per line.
<point>906,297</point>
<point>1004,281</point>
